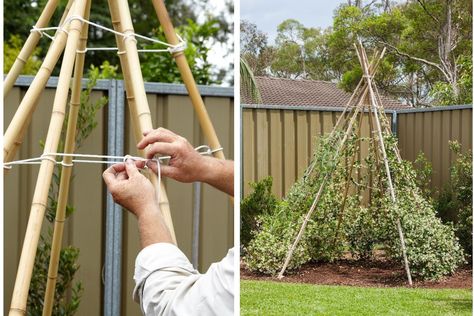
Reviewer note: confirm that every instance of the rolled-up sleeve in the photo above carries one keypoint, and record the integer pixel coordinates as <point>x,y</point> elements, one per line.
<point>167,283</point>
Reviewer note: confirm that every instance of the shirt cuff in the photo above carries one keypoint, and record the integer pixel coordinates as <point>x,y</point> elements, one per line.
<point>156,257</point>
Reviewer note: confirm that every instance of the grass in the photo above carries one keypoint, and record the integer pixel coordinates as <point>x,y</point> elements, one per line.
<point>272,298</point>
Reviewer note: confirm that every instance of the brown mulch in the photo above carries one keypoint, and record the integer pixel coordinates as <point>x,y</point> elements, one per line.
<point>362,273</point>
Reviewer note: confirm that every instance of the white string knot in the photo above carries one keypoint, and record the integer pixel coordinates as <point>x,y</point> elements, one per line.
<point>72,18</point>
<point>35,29</point>
<point>47,157</point>
<point>129,35</point>
<point>180,47</point>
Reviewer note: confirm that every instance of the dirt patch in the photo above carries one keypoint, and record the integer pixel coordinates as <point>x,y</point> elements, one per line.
<point>362,273</point>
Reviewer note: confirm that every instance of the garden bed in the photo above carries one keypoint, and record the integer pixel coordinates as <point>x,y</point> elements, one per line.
<point>362,273</point>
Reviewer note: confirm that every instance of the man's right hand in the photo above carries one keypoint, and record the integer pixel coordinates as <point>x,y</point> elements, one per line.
<point>185,164</point>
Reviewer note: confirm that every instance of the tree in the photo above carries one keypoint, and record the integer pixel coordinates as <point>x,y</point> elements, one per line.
<point>254,48</point>
<point>23,14</point>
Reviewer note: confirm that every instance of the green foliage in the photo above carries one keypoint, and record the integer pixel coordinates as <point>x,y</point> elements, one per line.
<point>22,15</point>
<point>455,201</point>
<point>67,269</point>
<point>11,49</point>
<point>423,66</point>
<point>424,170</point>
<point>432,247</point>
<point>248,82</point>
<point>162,68</point>
<point>443,92</point>
<point>64,306</point>
<point>260,202</point>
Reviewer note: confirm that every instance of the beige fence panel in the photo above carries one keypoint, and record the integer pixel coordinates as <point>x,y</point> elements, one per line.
<point>86,228</point>
<point>279,141</point>
<point>429,131</point>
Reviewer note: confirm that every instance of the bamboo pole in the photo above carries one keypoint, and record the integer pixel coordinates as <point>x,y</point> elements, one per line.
<point>363,61</point>
<point>33,230</point>
<point>188,79</point>
<point>319,193</point>
<point>347,186</point>
<point>74,107</point>
<point>139,109</point>
<point>357,109</point>
<point>13,135</point>
<point>21,135</point>
<point>28,47</point>
<point>361,86</point>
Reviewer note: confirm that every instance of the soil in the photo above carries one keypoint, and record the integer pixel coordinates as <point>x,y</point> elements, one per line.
<point>364,274</point>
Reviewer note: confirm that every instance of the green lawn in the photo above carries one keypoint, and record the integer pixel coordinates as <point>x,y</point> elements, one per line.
<point>272,298</point>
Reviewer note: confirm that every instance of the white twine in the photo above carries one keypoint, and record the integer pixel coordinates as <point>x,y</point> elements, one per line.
<point>202,150</point>
<point>181,46</point>
<point>98,159</point>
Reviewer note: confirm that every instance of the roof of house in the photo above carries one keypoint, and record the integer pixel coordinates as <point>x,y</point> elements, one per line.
<point>293,92</point>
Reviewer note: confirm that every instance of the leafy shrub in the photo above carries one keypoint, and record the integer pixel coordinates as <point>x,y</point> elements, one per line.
<point>260,201</point>
<point>432,248</point>
<point>455,200</point>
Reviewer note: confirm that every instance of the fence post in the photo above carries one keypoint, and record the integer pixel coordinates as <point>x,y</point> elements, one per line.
<point>113,229</point>
<point>196,223</point>
<point>395,123</point>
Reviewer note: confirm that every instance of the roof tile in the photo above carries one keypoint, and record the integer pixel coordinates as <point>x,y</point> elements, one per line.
<point>281,91</point>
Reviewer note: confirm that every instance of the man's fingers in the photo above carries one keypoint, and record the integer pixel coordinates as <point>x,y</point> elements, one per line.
<point>109,176</point>
<point>118,167</point>
<point>160,148</point>
<point>167,171</point>
<point>131,168</point>
<point>158,135</point>
<point>140,164</point>
<point>122,176</point>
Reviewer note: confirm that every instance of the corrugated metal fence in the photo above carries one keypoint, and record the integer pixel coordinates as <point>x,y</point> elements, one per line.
<point>86,228</point>
<point>279,140</point>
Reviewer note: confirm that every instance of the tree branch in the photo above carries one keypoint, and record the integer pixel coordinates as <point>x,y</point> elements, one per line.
<point>422,60</point>
<point>422,4</point>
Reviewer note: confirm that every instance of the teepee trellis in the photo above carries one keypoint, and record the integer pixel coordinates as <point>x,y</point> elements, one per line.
<point>71,38</point>
<point>365,91</point>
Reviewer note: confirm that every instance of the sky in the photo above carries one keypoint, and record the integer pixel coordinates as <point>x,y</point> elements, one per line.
<point>218,54</point>
<point>267,14</point>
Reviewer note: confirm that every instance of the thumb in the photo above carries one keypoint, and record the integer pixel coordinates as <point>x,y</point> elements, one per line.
<point>132,170</point>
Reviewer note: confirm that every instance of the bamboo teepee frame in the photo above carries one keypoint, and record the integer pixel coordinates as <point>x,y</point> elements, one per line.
<point>366,95</point>
<point>72,40</point>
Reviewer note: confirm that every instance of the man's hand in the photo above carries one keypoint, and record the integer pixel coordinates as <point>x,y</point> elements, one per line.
<point>130,188</point>
<point>187,165</point>
<point>135,192</point>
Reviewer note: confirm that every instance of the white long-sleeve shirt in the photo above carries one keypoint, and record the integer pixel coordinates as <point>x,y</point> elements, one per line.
<point>167,284</point>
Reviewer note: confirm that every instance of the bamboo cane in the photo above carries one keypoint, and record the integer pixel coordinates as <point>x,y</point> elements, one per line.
<point>13,135</point>
<point>25,267</point>
<point>28,47</point>
<point>347,186</point>
<point>139,109</point>
<point>357,109</point>
<point>74,106</point>
<point>318,194</point>
<point>188,79</point>
<point>348,107</point>
<point>363,61</point>
<point>21,135</point>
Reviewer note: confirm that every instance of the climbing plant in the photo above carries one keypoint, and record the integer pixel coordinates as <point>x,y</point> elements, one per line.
<point>364,220</point>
